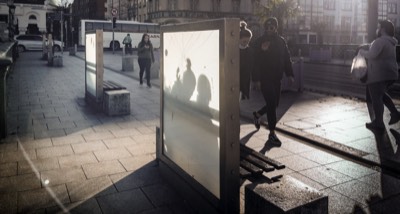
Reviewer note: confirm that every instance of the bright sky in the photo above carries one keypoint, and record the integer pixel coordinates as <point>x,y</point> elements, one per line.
<point>58,2</point>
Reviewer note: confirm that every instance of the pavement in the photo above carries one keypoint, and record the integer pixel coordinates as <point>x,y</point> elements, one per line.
<point>61,156</point>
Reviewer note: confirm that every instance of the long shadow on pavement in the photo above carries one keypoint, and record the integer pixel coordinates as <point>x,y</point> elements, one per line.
<point>386,183</point>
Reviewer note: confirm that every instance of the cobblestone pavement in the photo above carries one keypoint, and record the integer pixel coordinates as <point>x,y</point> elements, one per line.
<point>62,156</point>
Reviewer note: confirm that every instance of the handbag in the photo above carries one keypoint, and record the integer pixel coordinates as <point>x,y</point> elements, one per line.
<point>359,67</point>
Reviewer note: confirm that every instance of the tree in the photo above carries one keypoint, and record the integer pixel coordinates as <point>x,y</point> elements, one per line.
<point>280,9</point>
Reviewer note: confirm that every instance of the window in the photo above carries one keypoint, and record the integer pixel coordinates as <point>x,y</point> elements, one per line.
<point>194,5</point>
<point>172,4</point>
<point>107,26</point>
<point>156,5</point>
<point>216,5</point>
<point>312,39</point>
<point>97,26</point>
<point>392,8</point>
<point>329,22</point>
<point>235,6</point>
<point>346,23</point>
<point>130,27</point>
<point>254,5</point>
<point>329,4</point>
<point>345,39</point>
<point>88,26</point>
<point>347,5</point>
<point>32,17</point>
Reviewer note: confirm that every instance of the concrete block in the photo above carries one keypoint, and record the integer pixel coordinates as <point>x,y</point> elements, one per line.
<point>127,63</point>
<point>72,51</point>
<point>289,195</point>
<point>116,102</point>
<point>57,61</point>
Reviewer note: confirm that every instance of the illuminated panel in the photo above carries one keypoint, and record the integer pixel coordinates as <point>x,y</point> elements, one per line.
<point>191,104</point>
<point>91,64</point>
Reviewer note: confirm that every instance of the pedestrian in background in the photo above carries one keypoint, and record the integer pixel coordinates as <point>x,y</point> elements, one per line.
<point>246,60</point>
<point>272,59</point>
<point>145,58</point>
<point>382,72</point>
<point>128,44</point>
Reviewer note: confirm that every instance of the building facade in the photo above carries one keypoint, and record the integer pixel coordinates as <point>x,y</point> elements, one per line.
<point>30,15</point>
<point>338,21</point>
<point>125,9</point>
<point>86,9</point>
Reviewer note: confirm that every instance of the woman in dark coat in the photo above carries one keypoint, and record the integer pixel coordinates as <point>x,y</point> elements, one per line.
<point>145,58</point>
<point>272,60</point>
<point>246,61</point>
<point>382,72</point>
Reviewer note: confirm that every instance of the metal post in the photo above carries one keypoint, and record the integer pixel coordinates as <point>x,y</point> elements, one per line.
<point>62,31</point>
<point>112,26</point>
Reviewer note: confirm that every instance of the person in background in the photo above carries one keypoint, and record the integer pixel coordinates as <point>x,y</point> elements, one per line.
<point>128,44</point>
<point>145,58</point>
<point>246,60</point>
<point>272,59</point>
<point>382,72</point>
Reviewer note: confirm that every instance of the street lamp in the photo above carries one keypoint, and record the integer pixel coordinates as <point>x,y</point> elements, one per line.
<point>11,13</point>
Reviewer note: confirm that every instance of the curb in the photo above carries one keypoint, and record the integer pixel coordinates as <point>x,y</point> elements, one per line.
<point>333,146</point>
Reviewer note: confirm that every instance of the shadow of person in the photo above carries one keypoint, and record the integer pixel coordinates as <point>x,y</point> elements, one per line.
<point>184,84</point>
<point>267,147</point>
<point>387,181</point>
<point>246,138</point>
<point>206,146</point>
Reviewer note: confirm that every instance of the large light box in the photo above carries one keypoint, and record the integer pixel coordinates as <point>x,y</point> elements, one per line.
<point>90,49</point>
<point>199,87</point>
<point>94,65</point>
<point>191,111</point>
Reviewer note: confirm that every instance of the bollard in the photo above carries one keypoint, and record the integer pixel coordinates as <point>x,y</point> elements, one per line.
<point>127,63</point>
<point>44,48</point>
<point>72,51</point>
<point>289,195</point>
<point>50,50</point>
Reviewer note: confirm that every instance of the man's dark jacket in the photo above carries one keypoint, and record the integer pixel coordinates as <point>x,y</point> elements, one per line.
<point>272,63</point>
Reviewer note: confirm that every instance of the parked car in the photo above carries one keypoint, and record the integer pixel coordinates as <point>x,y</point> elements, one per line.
<point>34,42</point>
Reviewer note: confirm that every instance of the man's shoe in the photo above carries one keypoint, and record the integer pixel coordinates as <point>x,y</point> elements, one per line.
<point>273,139</point>
<point>394,118</point>
<point>374,126</point>
<point>149,85</point>
<point>256,121</point>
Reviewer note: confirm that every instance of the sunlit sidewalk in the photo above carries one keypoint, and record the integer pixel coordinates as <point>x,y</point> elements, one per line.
<point>63,156</point>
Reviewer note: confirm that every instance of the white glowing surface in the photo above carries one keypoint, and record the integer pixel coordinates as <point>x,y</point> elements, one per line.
<point>191,104</point>
<point>90,49</point>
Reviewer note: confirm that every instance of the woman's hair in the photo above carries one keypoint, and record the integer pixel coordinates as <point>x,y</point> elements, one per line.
<point>244,31</point>
<point>388,26</point>
<point>144,35</point>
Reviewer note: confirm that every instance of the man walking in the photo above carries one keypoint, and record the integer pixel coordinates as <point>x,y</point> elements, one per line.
<point>272,59</point>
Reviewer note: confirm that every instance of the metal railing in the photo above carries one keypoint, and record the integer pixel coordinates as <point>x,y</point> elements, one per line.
<point>194,14</point>
<point>8,55</point>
